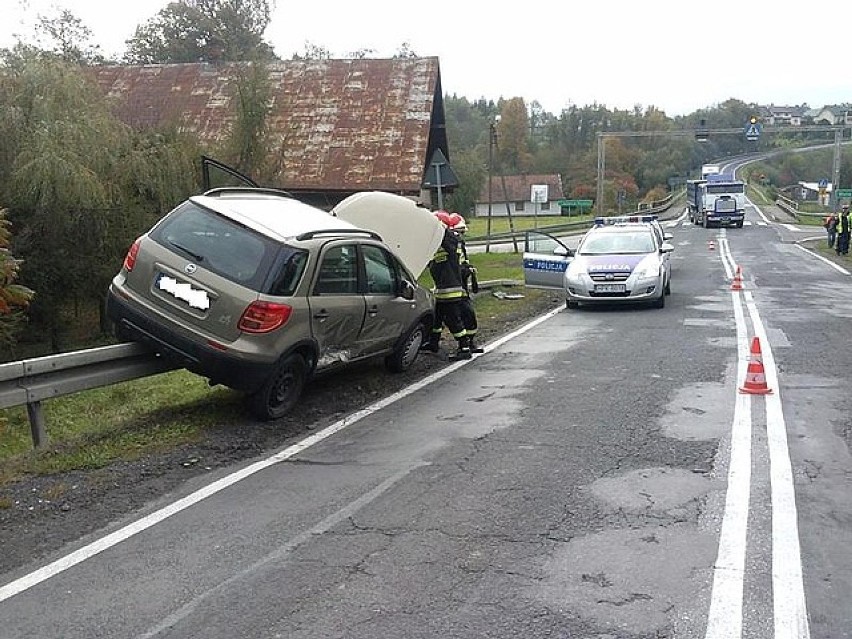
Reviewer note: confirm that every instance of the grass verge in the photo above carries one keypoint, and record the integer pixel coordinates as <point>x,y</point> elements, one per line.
<point>125,421</point>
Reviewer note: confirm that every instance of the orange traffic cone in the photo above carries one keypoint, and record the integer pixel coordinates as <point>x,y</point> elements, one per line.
<point>711,245</point>
<point>755,381</point>
<point>737,283</point>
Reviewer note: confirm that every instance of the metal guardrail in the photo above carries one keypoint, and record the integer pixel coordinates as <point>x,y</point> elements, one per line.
<point>518,235</point>
<point>791,206</point>
<point>30,381</point>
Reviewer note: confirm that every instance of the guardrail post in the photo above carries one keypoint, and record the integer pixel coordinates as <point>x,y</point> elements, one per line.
<point>36,416</point>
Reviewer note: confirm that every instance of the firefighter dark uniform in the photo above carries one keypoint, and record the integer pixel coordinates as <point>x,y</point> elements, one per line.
<point>445,270</point>
<point>470,284</point>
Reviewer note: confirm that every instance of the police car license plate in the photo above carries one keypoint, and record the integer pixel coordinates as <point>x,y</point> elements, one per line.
<point>610,288</point>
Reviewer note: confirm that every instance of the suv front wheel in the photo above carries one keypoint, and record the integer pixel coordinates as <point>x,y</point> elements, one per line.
<point>406,350</point>
<point>281,391</point>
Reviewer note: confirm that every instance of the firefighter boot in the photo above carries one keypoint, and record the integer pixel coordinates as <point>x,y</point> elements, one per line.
<point>463,351</point>
<point>432,344</point>
<point>473,347</point>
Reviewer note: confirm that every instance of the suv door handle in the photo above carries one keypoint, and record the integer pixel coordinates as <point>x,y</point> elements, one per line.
<point>321,315</point>
<point>373,310</point>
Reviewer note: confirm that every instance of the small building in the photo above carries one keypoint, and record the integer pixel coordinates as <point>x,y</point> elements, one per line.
<point>837,114</point>
<point>773,115</point>
<point>811,192</point>
<point>515,195</point>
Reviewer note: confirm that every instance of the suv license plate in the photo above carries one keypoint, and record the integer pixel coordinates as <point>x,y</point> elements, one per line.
<point>610,288</point>
<point>184,291</point>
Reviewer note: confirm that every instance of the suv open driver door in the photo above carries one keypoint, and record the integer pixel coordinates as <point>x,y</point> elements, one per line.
<point>545,260</point>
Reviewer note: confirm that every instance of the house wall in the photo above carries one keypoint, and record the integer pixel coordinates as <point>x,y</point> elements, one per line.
<point>498,209</point>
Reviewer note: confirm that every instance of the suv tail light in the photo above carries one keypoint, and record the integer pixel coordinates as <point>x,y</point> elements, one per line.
<point>130,258</point>
<point>262,317</point>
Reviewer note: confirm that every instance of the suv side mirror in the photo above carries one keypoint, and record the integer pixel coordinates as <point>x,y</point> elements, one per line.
<point>405,290</point>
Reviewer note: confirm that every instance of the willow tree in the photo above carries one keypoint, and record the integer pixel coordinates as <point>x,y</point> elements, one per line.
<point>79,186</point>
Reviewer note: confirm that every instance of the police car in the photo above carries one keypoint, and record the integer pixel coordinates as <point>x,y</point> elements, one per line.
<point>620,259</point>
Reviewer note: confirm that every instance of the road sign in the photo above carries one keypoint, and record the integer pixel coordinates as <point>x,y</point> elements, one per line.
<point>538,193</point>
<point>752,131</point>
<point>823,183</point>
<point>844,192</point>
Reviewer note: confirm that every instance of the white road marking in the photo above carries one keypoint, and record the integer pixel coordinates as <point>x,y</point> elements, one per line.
<point>725,618</point>
<point>836,267</point>
<point>788,590</point>
<point>726,602</point>
<point>99,545</point>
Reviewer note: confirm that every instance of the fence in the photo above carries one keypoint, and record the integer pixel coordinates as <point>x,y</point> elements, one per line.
<point>509,236</point>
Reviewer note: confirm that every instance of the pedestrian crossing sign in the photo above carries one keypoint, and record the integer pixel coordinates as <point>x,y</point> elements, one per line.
<point>752,131</point>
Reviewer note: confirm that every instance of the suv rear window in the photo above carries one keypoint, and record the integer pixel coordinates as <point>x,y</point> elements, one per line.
<point>226,248</point>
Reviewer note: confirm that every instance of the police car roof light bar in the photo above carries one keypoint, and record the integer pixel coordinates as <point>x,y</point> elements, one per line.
<point>625,219</point>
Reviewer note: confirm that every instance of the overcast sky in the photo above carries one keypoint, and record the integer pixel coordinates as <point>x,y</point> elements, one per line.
<point>673,55</point>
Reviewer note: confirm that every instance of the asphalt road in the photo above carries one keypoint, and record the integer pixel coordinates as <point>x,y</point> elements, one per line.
<point>596,475</point>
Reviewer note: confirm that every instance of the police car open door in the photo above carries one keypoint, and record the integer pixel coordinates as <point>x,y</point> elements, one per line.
<point>545,260</point>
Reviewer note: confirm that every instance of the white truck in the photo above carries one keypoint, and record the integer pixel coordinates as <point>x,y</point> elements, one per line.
<point>718,201</point>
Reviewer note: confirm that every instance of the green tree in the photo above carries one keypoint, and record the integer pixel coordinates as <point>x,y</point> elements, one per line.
<point>472,175</point>
<point>513,133</point>
<point>65,35</point>
<point>79,185</point>
<point>247,145</point>
<point>203,31</point>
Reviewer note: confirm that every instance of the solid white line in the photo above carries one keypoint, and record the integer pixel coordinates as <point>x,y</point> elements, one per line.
<point>790,227</point>
<point>836,267</point>
<point>727,258</point>
<point>725,618</point>
<point>790,609</point>
<point>280,552</point>
<point>759,212</point>
<point>90,550</point>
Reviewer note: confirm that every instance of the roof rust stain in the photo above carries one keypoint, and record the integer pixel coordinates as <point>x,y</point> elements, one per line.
<point>518,187</point>
<point>334,124</point>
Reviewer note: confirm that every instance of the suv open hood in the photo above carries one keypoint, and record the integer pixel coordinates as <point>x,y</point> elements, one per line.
<point>413,233</point>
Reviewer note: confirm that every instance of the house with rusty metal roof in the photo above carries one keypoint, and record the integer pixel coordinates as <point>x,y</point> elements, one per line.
<point>335,127</point>
<point>526,194</point>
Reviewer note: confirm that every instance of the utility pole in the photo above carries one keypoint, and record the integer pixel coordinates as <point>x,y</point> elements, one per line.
<point>835,173</point>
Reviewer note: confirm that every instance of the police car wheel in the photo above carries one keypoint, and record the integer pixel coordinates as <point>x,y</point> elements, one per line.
<point>570,304</point>
<point>660,302</point>
<point>668,289</point>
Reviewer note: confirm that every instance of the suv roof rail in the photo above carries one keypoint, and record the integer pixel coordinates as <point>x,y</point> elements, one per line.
<point>312,234</point>
<point>260,190</point>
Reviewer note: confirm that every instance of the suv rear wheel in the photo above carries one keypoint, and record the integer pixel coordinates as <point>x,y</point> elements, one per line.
<point>281,391</point>
<point>406,350</point>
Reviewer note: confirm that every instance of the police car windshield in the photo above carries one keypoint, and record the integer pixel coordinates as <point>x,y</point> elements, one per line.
<point>622,243</point>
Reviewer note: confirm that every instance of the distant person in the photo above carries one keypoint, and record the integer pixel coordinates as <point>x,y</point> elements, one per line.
<point>842,246</point>
<point>830,225</point>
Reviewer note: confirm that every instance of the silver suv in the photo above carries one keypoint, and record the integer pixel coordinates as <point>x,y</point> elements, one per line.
<point>259,292</point>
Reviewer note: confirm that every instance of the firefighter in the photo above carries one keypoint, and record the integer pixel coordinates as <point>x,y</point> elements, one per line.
<point>469,282</point>
<point>445,269</point>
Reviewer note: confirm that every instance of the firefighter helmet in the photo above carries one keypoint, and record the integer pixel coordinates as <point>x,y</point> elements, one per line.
<point>460,225</point>
<point>443,218</point>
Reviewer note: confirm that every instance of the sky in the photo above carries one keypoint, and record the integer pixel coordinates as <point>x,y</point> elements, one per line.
<point>675,56</point>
